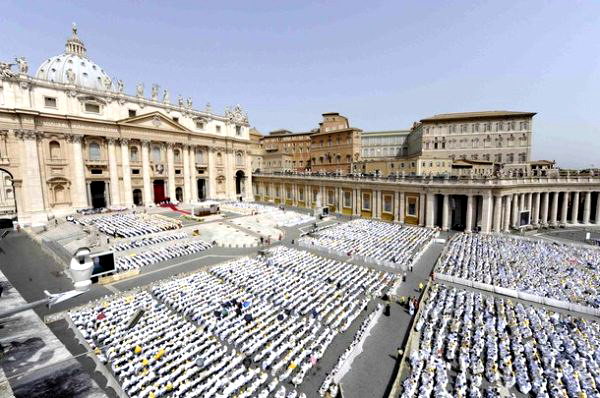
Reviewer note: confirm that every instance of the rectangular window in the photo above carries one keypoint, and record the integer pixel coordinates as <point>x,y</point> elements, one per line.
<point>301,194</point>
<point>135,171</point>
<point>387,203</point>
<point>411,206</point>
<point>347,199</point>
<point>50,102</point>
<point>92,108</point>
<point>315,195</point>
<point>96,171</point>
<point>175,119</point>
<point>366,201</point>
<point>200,125</point>
<point>132,112</point>
<point>330,197</point>
<point>218,129</point>
<point>177,171</point>
<point>238,130</point>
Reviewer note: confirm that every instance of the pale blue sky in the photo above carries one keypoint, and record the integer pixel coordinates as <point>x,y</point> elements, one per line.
<point>384,64</point>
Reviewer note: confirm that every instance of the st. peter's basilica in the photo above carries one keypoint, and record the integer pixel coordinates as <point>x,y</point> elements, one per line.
<point>72,138</point>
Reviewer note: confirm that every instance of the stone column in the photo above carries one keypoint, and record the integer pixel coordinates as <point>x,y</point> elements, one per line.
<point>554,209</point>
<point>469,215</point>
<point>193,177</point>
<point>529,197</point>
<point>565,208</point>
<point>507,213</point>
<point>430,211</point>
<point>587,207</point>
<point>340,197</point>
<point>31,186</point>
<point>446,212</point>
<point>515,210</point>
<point>522,202</point>
<point>486,213</point>
<point>187,192</point>
<point>248,175</point>
<point>211,192</point>
<point>88,192</point>
<point>79,193</point>
<point>396,205</point>
<point>171,171</point>
<point>401,206</point>
<point>114,173</point>
<point>544,210</point>
<point>536,208</point>
<point>598,209</point>
<point>575,208</point>
<point>377,204</point>
<point>497,213</point>
<point>146,172</point>
<point>421,209</point>
<point>127,191</point>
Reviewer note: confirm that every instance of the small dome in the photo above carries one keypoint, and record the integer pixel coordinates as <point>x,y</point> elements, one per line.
<point>74,67</point>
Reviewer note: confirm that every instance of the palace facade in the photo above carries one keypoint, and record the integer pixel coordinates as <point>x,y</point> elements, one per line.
<point>71,138</point>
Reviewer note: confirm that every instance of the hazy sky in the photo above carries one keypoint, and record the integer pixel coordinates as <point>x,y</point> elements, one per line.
<point>382,64</point>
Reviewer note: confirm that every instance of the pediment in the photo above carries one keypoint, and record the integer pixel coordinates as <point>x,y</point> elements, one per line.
<point>153,120</point>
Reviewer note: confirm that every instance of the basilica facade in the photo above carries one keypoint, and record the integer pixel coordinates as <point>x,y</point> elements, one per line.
<point>71,138</point>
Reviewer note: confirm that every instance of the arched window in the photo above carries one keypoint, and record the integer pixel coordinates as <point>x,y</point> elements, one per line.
<point>133,154</point>
<point>177,155</point>
<point>54,150</point>
<point>156,154</point>
<point>94,151</point>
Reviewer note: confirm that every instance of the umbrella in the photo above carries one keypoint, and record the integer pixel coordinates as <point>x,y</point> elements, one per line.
<point>246,304</point>
<point>280,317</point>
<point>200,362</point>
<point>248,317</point>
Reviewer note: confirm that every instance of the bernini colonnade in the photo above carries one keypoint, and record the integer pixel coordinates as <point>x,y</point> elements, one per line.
<point>493,204</point>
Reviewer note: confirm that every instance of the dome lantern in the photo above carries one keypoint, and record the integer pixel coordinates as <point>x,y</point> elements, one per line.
<point>74,44</point>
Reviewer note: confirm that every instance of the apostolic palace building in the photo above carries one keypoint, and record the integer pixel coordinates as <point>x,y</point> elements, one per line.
<point>72,138</point>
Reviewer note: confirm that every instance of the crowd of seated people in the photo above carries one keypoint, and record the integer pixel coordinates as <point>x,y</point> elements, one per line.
<point>251,327</point>
<point>278,216</point>
<point>378,242</point>
<point>148,241</point>
<point>477,345</point>
<point>554,270</point>
<point>128,225</point>
<point>339,273</point>
<point>164,354</point>
<point>157,254</point>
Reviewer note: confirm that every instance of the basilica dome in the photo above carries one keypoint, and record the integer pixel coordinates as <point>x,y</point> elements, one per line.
<point>74,67</point>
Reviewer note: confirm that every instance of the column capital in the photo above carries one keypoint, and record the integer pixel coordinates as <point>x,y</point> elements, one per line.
<point>26,134</point>
<point>75,138</point>
<point>124,141</point>
<point>145,142</point>
<point>112,140</point>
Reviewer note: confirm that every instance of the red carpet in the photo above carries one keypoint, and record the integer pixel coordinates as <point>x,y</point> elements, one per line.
<point>174,208</point>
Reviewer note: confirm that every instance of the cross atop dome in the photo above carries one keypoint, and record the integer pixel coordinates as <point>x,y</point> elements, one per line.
<point>74,44</point>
